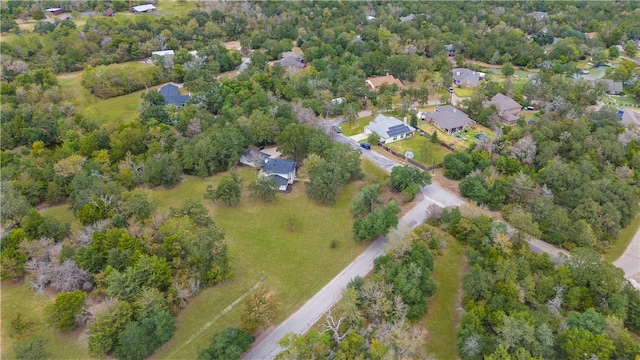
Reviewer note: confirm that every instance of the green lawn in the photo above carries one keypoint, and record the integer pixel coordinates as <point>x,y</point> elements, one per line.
<point>289,240</point>
<point>176,7</point>
<point>19,298</point>
<point>465,140</point>
<point>426,152</point>
<point>622,240</point>
<point>207,314</point>
<point>63,214</point>
<point>117,110</point>
<point>441,320</point>
<point>460,92</point>
<point>357,126</point>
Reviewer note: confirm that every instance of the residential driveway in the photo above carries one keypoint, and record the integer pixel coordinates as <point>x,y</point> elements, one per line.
<point>629,262</point>
<point>359,137</point>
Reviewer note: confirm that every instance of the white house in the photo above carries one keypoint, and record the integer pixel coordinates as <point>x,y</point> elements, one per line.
<point>142,8</point>
<point>389,129</point>
<point>283,171</point>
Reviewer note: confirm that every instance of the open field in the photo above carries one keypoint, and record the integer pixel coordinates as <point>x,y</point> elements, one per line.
<point>207,314</point>
<point>426,152</point>
<point>441,319</point>
<point>288,241</point>
<point>19,298</point>
<point>176,7</point>
<point>116,110</point>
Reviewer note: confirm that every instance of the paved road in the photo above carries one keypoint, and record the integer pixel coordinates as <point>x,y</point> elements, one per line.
<point>322,301</point>
<point>630,261</point>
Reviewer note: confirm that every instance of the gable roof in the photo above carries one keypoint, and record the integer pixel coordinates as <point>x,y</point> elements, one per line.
<point>502,102</point>
<point>630,117</point>
<point>377,81</point>
<point>449,117</point>
<point>279,166</point>
<point>463,75</point>
<point>612,86</point>
<point>172,95</point>
<point>388,126</point>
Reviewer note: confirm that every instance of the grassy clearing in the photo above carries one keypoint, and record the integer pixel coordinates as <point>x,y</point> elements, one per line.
<point>622,240</point>
<point>205,307</point>
<point>176,7</point>
<point>117,110</point>
<point>426,152</point>
<point>460,92</point>
<point>288,240</point>
<point>374,174</point>
<point>19,298</point>
<point>442,318</point>
<point>357,126</point>
<point>63,214</point>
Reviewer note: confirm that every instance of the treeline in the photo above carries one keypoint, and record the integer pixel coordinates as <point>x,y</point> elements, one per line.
<point>571,178</point>
<point>518,304</point>
<point>110,81</point>
<point>148,263</point>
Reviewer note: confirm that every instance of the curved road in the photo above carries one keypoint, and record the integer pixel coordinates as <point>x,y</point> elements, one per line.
<point>322,301</point>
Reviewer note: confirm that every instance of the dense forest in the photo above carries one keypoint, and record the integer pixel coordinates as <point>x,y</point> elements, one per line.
<point>570,176</point>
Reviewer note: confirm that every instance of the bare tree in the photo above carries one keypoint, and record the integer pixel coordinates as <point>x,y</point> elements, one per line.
<point>334,327</point>
<point>69,277</point>
<point>524,150</point>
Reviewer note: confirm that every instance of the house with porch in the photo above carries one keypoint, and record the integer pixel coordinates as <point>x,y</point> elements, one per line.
<point>282,170</point>
<point>449,119</point>
<point>508,109</point>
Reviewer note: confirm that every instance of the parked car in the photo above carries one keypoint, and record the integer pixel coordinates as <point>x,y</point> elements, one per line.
<point>336,129</point>
<point>365,146</point>
<point>450,89</point>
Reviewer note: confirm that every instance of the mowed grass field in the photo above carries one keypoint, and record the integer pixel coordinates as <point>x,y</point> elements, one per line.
<point>425,152</point>
<point>17,297</point>
<point>442,317</point>
<point>287,241</point>
<point>117,110</point>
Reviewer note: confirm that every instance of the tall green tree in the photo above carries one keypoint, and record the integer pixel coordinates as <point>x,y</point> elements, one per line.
<point>62,312</point>
<point>228,191</point>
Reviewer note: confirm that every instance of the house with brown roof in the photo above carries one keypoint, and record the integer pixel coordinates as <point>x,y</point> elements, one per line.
<point>377,81</point>
<point>449,119</point>
<point>508,109</point>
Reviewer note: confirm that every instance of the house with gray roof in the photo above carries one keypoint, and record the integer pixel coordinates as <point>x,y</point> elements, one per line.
<point>407,18</point>
<point>172,95</point>
<point>613,87</point>
<point>466,78</point>
<point>292,61</point>
<point>282,170</point>
<point>508,109</point>
<point>449,119</point>
<point>389,129</point>
<point>254,158</point>
<point>142,9</point>
<point>540,15</point>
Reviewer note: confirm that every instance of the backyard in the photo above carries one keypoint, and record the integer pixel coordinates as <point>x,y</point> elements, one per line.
<point>458,141</point>
<point>425,152</point>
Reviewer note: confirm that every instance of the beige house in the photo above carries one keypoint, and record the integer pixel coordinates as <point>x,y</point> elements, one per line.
<point>377,81</point>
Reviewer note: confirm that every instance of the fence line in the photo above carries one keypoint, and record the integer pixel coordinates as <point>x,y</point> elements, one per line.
<point>410,161</point>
